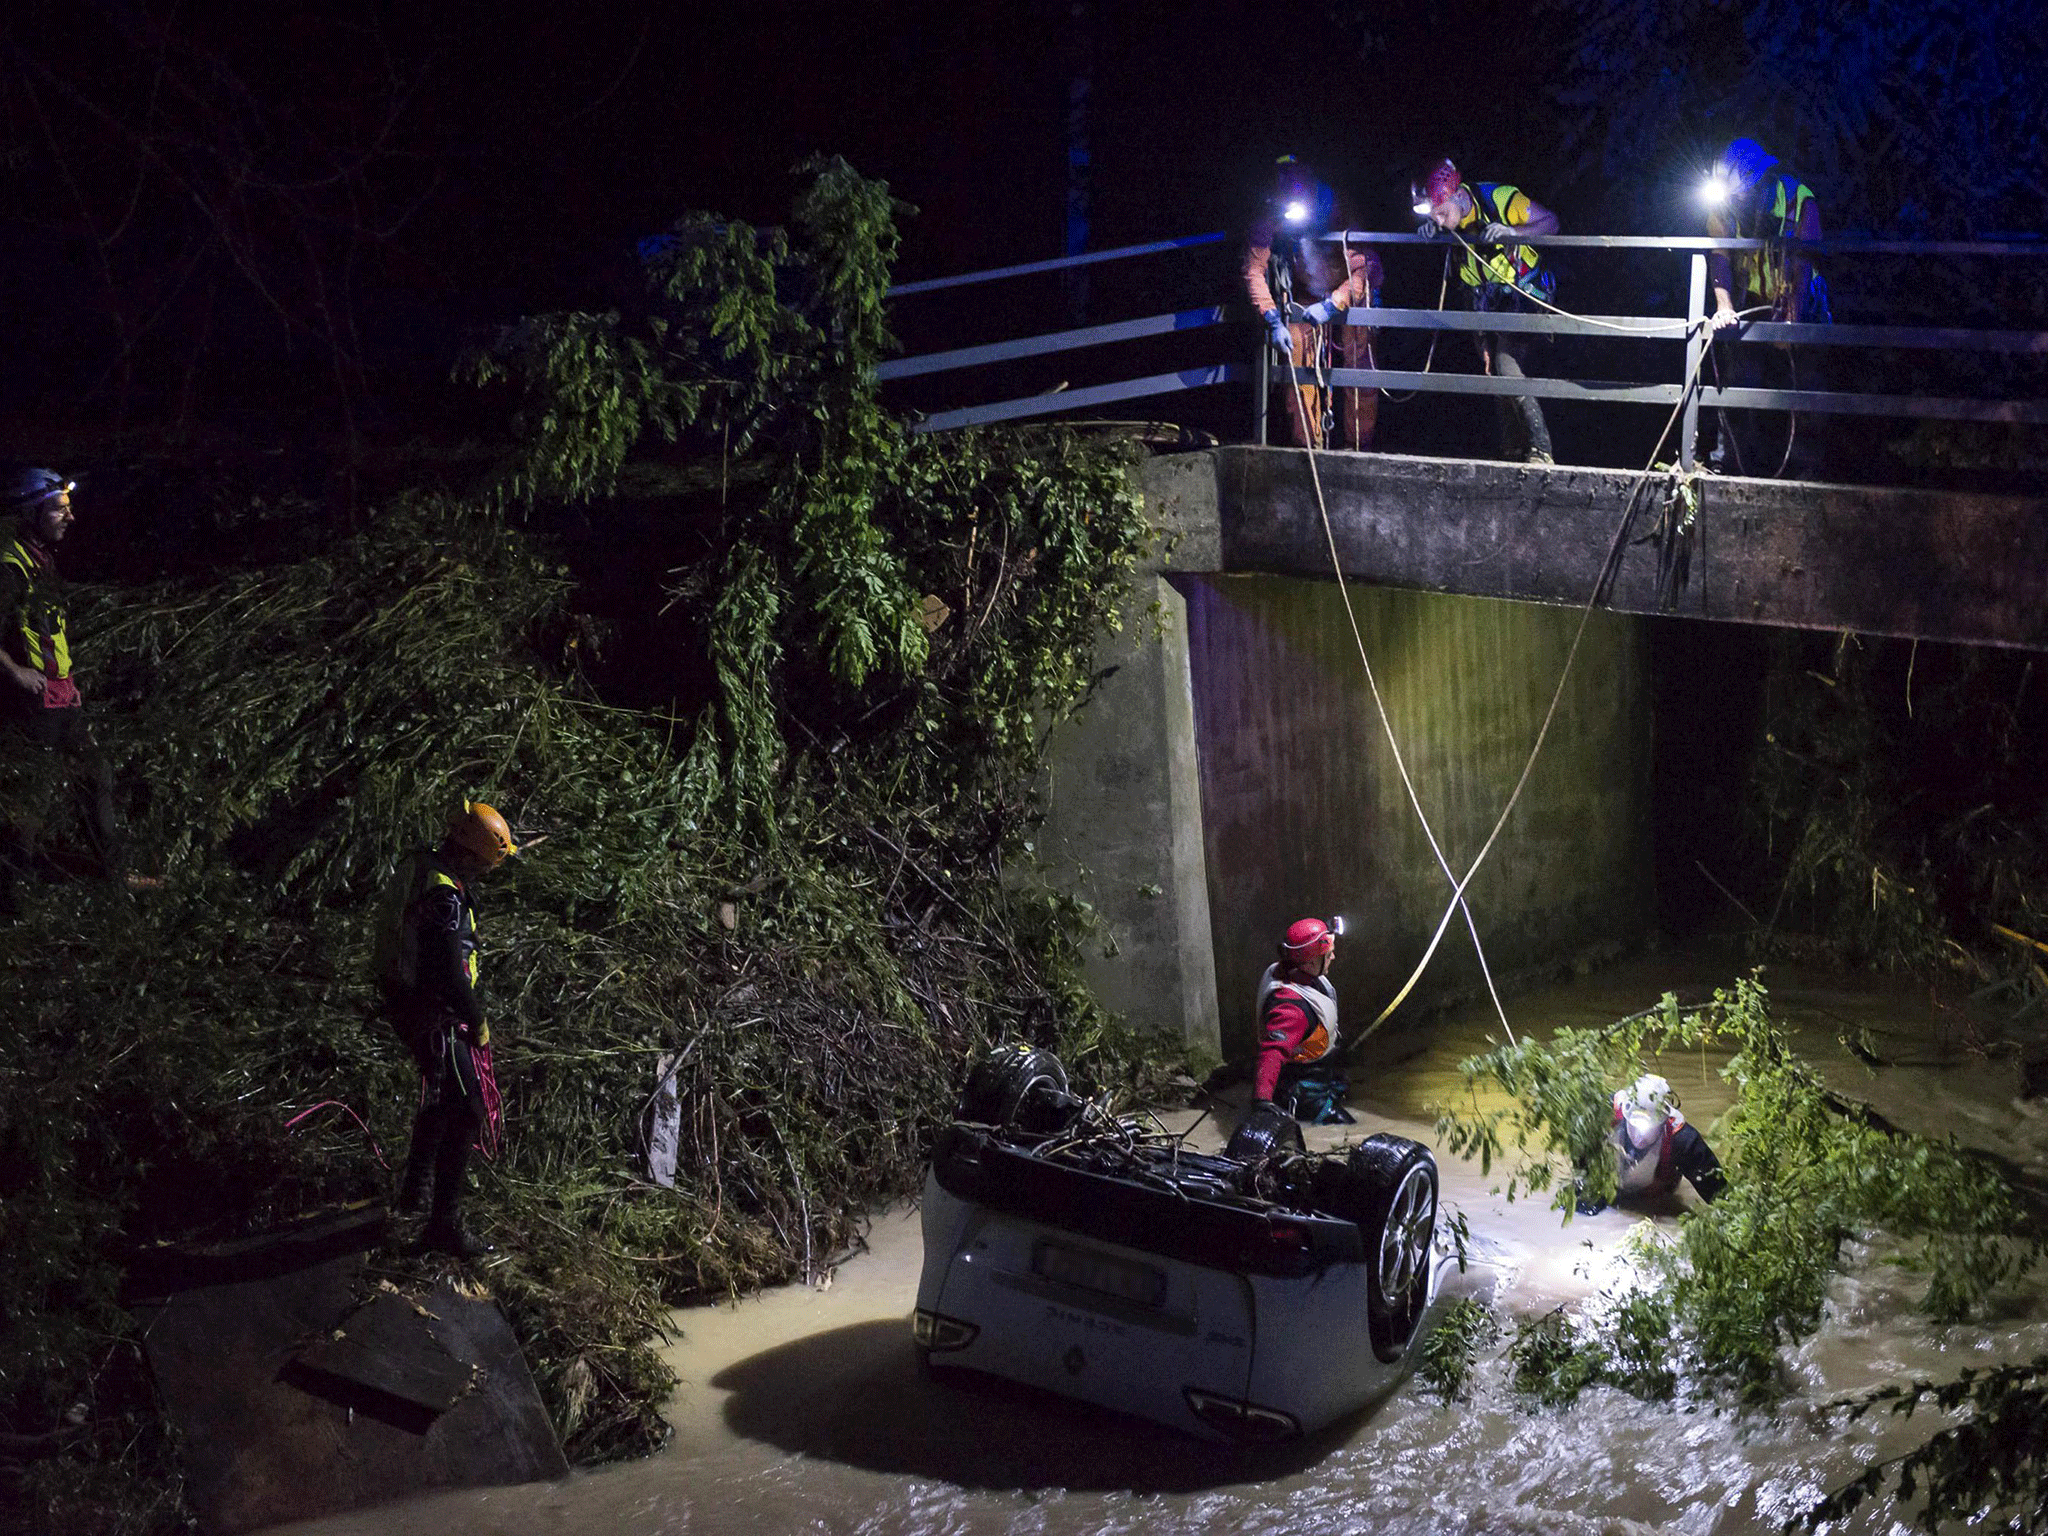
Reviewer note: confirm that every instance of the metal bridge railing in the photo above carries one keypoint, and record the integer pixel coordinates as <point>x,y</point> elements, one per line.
<point>1687,329</point>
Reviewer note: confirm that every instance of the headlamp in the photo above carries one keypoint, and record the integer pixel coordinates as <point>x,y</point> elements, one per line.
<point>1716,190</point>
<point>1422,206</point>
<point>1337,926</point>
<point>1295,212</point>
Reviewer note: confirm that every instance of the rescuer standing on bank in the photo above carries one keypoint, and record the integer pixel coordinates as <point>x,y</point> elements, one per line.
<point>1750,195</point>
<point>45,725</point>
<point>1298,1028</point>
<point>428,968</point>
<point>1498,274</point>
<point>1302,287</point>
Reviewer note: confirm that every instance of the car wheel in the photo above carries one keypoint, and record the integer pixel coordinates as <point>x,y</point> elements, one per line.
<point>1017,1085</point>
<point>1388,1186</point>
<point>1266,1131</point>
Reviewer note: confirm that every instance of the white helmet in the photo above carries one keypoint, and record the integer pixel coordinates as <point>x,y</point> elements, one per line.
<point>1643,1107</point>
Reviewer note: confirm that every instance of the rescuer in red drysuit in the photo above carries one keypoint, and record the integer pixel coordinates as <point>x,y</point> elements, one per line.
<point>1301,288</point>
<point>1654,1148</point>
<point>1298,1028</point>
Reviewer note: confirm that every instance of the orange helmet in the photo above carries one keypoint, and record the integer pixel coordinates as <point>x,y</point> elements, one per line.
<point>481,833</point>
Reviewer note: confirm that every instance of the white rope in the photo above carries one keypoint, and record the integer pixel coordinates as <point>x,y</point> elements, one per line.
<point>1650,328</point>
<point>1457,901</point>
<point>1387,724</point>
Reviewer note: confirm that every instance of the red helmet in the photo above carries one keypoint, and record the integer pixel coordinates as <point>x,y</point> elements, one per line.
<point>1443,184</point>
<point>1307,938</point>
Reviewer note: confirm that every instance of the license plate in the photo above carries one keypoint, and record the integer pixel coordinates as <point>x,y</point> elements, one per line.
<point>1100,1272</point>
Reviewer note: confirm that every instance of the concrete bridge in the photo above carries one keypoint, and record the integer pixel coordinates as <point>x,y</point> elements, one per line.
<point>1231,773</point>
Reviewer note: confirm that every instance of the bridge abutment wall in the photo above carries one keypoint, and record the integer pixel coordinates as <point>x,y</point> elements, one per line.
<point>1232,774</point>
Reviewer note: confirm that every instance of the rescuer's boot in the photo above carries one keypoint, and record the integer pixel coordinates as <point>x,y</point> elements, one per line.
<point>445,1232</point>
<point>419,1161</point>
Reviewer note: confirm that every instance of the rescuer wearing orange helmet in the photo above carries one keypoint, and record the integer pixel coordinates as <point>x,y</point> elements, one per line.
<point>1498,274</point>
<point>1298,1026</point>
<point>1302,287</point>
<point>427,969</point>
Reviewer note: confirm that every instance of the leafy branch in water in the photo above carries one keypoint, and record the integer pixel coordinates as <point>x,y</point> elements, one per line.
<point>1991,1467</point>
<point>1807,1170</point>
<point>1448,1353</point>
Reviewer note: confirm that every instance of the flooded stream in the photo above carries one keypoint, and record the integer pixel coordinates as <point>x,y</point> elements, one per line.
<point>804,1409</point>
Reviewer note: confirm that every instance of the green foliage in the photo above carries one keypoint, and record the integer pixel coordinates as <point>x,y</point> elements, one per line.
<point>1894,799</point>
<point>812,895</point>
<point>1552,1364</point>
<point>1561,1107</point>
<point>1992,1467</point>
<point>1448,1354</point>
<point>1806,1171</point>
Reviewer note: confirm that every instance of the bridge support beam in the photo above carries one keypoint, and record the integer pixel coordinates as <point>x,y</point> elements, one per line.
<point>1124,808</point>
<point>1926,564</point>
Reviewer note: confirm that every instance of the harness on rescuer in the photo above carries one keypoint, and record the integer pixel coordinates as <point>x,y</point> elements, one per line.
<point>1646,1117</point>
<point>1298,1033</point>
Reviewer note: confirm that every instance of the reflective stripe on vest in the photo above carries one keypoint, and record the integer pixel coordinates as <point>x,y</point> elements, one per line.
<point>1319,1002</point>
<point>43,641</point>
<point>1511,264</point>
<point>1765,273</point>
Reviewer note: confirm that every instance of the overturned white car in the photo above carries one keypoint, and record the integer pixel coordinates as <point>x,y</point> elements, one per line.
<point>1255,1296</point>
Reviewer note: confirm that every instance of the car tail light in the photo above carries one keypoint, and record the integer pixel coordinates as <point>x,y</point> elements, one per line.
<point>939,1334</point>
<point>1239,1419</point>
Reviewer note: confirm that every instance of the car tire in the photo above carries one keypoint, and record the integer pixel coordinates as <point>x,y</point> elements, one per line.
<point>1017,1085</point>
<point>1388,1187</point>
<point>1266,1131</point>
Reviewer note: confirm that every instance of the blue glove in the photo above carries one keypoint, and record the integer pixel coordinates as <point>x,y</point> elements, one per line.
<point>1427,229</point>
<point>1277,332</point>
<point>1319,314</point>
<point>1499,234</point>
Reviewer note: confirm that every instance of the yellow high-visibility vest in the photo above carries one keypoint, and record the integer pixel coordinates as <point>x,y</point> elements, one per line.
<point>40,618</point>
<point>1510,264</point>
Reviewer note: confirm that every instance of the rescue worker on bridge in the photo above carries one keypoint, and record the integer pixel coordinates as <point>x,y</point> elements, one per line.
<point>1750,195</point>
<point>1297,1006</point>
<point>1302,287</point>
<point>1498,275</point>
<point>1654,1148</point>
<point>46,730</point>
<point>427,970</point>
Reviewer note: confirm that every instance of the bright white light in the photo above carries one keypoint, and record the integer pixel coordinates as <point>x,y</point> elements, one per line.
<point>1296,211</point>
<point>1337,926</point>
<point>1422,206</point>
<point>1716,190</point>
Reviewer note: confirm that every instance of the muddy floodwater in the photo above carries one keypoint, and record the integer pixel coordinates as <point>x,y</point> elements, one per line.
<point>804,1410</point>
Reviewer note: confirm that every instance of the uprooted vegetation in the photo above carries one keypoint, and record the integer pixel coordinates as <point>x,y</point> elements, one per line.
<point>1707,1309</point>
<point>1893,811</point>
<point>806,886</point>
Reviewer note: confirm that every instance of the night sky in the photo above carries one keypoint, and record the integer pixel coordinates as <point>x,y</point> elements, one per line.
<point>214,211</point>
<point>217,175</point>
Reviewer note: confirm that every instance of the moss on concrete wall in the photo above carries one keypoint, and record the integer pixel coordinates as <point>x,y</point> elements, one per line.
<point>1303,808</point>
